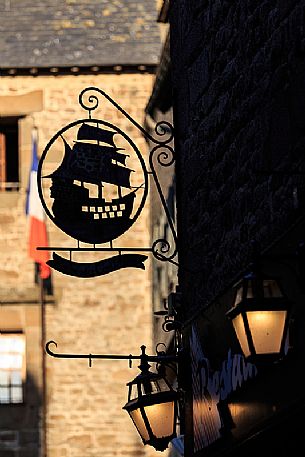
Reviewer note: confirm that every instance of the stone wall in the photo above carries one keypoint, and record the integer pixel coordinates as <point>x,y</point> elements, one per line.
<point>239,99</point>
<point>108,314</point>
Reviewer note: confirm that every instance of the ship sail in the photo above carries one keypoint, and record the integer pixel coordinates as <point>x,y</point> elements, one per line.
<point>93,162</point>
<point>63,170</point>
<point>88,132</point>
<point>93,153</point>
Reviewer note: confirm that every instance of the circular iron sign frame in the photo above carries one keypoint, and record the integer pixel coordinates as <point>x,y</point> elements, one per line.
<point>65,227</point>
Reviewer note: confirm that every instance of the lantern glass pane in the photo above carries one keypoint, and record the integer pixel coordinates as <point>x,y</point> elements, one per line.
<point>239,296</point>
<point>134,392</point>
<point>271,288</point>
<point>249,290</point>
<point>162,385</point>
<point>267,329</point>
<point>161,418</point>
<point>150,387</point>
<point>239,328</point>
<point>137,418</point>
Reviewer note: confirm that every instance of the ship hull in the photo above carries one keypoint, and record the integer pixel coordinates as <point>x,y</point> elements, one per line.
<point>91,220</point>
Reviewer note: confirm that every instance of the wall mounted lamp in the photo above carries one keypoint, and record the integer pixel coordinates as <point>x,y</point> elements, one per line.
<point>152,406</point>
<point>260,316</point>
<point>152,402</point>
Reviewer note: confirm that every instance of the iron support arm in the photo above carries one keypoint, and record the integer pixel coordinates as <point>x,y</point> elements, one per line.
<point>161,358</point>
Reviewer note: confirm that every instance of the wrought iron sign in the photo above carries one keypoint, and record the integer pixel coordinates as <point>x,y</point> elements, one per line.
<point>98,187</point>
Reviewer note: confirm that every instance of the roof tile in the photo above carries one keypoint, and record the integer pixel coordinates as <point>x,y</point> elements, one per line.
<point>78,32</point>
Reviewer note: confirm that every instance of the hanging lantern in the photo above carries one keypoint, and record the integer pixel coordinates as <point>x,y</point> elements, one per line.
<point>152,406</point>
<point>260,316</point>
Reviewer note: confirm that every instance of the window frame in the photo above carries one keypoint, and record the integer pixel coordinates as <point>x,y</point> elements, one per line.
<point>9,126</point>
<point>22,370</point>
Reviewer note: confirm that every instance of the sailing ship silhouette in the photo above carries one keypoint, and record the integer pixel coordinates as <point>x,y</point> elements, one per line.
<point>93,159</point>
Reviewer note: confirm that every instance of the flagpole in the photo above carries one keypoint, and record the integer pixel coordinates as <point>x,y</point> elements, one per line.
<point>43,369</point>
<point>38,237</point>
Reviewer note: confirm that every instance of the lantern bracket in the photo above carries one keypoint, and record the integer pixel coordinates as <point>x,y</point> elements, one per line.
<point>160,358</point>
<point>145,384</point>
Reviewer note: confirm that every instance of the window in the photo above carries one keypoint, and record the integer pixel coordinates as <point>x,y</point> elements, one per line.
<point>12,367</point>
<point>9,154</point>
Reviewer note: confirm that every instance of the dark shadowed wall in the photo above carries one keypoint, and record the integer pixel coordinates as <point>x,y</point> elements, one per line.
<point>239,94</point>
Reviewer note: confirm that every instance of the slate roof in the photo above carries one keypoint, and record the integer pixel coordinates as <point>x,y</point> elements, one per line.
<point>80,33</point>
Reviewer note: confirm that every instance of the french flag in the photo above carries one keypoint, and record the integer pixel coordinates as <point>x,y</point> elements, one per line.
<point>36,216</point>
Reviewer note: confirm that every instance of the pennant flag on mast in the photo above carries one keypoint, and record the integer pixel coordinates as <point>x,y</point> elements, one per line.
<point>36,216</point>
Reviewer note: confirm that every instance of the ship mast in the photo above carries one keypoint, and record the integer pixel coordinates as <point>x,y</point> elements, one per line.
<point>100,185</point>
<point>119,189</point>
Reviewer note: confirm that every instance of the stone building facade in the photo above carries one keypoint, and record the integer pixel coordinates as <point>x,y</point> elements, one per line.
<point>46,61</point>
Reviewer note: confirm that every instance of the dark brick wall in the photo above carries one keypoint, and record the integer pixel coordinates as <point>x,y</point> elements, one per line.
<point>239,104</point>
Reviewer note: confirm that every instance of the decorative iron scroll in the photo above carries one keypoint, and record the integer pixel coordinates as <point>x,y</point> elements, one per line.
<point>99,186</point>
